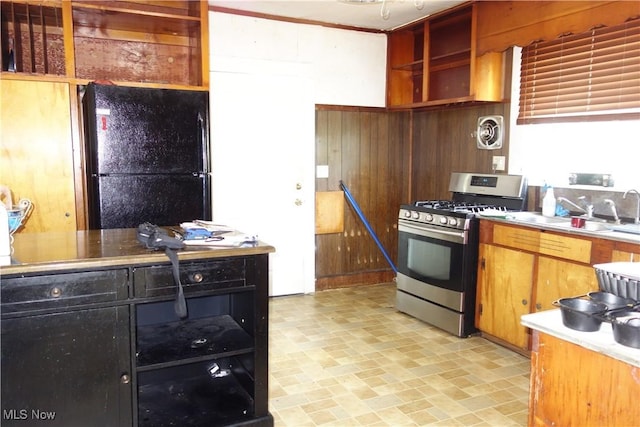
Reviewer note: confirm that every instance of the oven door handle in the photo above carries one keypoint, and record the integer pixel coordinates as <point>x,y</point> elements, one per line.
<point>451,236</point>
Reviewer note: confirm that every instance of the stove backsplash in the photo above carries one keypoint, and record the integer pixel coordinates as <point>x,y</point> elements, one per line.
<point>626,207</point>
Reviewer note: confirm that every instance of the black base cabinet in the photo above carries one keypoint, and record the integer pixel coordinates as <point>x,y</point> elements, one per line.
<point>107,347</point>
<point>66,369</point>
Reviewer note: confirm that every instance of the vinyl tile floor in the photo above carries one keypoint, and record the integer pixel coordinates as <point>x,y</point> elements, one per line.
<point>347,357</point>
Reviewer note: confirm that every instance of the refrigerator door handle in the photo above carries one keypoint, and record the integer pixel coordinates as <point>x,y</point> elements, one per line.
<point>203,142</point>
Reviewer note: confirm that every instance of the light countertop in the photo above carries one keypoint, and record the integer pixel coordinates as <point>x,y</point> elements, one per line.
<point>550,322</point>
<point>610,235</point>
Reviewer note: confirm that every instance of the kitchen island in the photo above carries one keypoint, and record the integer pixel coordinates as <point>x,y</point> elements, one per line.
<point>580,378</point>
<point>91,336</point>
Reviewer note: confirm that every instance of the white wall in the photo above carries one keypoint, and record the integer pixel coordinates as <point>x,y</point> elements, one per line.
<point>550,152</point>
<point>346,67</point>
<point>266,77</point>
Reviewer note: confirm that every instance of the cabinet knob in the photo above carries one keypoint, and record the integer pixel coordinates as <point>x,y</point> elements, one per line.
<point>197,277</point>
<point>538,306</point>
<point>125,379</point>
<point>525,302</point>
<point>56,292</point>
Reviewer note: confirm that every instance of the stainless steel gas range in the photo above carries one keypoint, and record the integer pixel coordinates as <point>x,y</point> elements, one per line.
<point>438,248</point>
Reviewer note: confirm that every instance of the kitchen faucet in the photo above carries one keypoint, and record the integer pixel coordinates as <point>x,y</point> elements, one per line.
<point>611,203</point>
<point>637,218</point>
<point>588,209</point>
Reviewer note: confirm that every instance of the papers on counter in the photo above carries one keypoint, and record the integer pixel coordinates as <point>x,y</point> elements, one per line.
<point>206,233</point>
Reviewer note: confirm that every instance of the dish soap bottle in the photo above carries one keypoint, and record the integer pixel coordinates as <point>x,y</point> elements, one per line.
<point>549,202</point>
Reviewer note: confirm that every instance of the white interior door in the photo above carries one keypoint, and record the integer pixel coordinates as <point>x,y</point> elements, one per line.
<point>262,138</point>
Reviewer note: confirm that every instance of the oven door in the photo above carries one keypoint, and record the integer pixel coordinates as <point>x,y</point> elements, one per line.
<point>431,255</point>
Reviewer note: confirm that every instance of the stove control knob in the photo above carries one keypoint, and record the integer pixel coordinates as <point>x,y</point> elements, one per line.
<point>428,217</point>
<point>407,214</point>
<point>443,220</point>
<point>415,215</point>
<point>453,221</point>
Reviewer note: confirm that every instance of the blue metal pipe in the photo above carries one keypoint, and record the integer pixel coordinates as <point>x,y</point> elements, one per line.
<point>356,208</point>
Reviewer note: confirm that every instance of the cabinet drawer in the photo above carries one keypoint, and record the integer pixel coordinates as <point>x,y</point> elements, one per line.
<point>518,238</point>
<point>557,245</point>
<point>32,293</point>
<point>195,276</point>
<point>566,247</point>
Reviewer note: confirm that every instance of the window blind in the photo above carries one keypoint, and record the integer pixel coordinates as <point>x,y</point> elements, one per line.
<point>589,76</point>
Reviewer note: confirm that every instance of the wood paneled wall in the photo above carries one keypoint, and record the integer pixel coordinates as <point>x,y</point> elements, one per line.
<point>387,158</point>
<point>444,142</point>
<point>369,151</point>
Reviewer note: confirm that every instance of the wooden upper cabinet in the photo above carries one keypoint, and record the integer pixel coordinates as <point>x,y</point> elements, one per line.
<point>152,43</point>
<point>434,63</point>
<point>33,38</point>
<point>37,156</point>
<point>406,66</point>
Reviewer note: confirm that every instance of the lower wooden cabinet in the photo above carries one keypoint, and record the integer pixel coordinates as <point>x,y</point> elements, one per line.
<point>574,386</point>
<point>523,270</point>
<point>625,252</point>
<point>505,280</point>
<point>560,279</point>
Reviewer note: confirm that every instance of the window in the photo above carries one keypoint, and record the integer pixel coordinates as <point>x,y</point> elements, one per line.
<point>590,76</point>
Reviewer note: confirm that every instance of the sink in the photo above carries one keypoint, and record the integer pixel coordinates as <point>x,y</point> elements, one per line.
<point>627,228</point>
<point>592,225</point>
<point>597,226</point>
<point>537,218</point>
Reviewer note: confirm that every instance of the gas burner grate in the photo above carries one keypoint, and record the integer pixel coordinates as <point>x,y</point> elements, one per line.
<point>455,206</point>
<point>434,204</point>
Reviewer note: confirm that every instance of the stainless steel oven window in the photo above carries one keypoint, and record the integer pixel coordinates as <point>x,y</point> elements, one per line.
<point>432,257</point>
<point>429,259</point>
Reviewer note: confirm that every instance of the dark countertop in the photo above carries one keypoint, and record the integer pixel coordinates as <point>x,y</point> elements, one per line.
<point>58,251</point>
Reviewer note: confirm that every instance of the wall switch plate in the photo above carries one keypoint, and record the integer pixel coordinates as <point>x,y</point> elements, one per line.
<point>322,171</point>
<point>499,163</point>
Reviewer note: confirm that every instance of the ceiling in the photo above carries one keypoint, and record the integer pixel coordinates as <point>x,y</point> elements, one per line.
<point>356,13</point>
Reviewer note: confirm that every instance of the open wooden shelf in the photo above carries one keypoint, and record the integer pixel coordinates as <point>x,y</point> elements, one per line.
<point>34,36</point>
<point>142,42</point>
<point>434,62</point>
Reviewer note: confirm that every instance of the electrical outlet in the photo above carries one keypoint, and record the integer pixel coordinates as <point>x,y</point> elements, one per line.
<point>499,163</point>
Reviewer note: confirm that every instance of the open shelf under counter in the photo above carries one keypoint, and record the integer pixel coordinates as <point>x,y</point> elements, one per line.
<point>213,393</point>
<point>190,339</point>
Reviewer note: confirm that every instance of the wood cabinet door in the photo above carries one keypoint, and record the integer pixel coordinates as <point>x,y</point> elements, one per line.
<point>68,367</point>
<point>36,147</point>
<point>561,279</point>
<point>624,256</point>
<point>505,278</point>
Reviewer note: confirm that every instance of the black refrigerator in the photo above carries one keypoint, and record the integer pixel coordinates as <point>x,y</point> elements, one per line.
<point>147,154</point>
